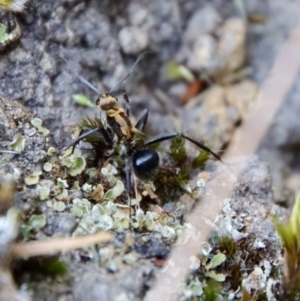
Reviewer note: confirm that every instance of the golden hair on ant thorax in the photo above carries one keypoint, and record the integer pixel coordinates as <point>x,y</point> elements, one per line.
<point>106,102</point>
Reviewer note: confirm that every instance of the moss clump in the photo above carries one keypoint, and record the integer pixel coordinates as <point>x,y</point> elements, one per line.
<point>290,236</point>
<point>178,151</point>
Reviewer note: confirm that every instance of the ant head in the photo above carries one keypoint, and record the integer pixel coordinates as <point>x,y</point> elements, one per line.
<point>106,101</point>
<point>145,163</point>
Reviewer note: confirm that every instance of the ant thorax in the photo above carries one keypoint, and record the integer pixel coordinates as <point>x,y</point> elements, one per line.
<point>116,116</point>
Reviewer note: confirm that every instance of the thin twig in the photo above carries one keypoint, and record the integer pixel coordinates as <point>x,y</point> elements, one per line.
<point>50,246</point>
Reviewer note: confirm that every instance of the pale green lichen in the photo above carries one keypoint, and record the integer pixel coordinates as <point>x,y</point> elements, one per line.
<point>116,191</point>
<point>110,208</point>
<point>18,145</point>
<point>75,186</point>
<point>37,123</point>
<point>59,206</point>
<point>82,100</point>
<point>75,164</point>
<point>33,179</point>
<point>104,223</point>
<point>80,206</point>
<point>217,277</point>
<point>51,151</point>
<point>67,161</point>
<point>44,131</point>
<point>43,193</point>
<point>47,167</point>
<point>216,261</point>
<point>3,35</point>
<point>62,183</point>
<point>65,154</point>
<point>63,195</point>
<point>140,219</point>
<point>92,172</point>
<point>77,211</point>
<point>193,289</point>
<point>37,222</point>
<point>49,204</point>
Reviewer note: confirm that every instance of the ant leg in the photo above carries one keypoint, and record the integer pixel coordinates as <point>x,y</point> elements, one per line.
<point>140,125</point>
<point>81,137</point>
<point>201,145</point>
<point>128,176</point>
<point>161,138</point>
<point>125,97</point>
<point>102,132</point>
<point>128,186</point>
<point>176,134</point>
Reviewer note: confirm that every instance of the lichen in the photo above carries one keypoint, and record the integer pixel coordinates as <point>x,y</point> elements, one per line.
<point>43,193</point>
<point>37,123</point>
<point>33,179</point>
<point>115,192</point>
<point>59,206</point>
<point>47,167</point>
<point>75,164</point>
<point>18,144</point>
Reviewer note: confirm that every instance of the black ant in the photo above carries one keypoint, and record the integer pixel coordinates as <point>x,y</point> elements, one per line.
<point>119,130</point>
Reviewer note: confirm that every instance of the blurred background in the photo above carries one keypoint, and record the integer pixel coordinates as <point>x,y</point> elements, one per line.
<point>205,64</point>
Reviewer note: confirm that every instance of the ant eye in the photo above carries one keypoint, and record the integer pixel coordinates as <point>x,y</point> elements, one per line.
<point>144,163</point>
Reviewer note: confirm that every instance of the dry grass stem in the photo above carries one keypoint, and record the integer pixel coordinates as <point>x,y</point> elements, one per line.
<point>47,247</point>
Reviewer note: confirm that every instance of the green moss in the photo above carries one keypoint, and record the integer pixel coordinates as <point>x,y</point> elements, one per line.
<point>178,151</point>
<point>235,274</point>
<point>228,245</point>
<point>45,266</point>
<point>289,234</point>
<point>211,291</point>
<point>201,159</point>
<point>169,182</point>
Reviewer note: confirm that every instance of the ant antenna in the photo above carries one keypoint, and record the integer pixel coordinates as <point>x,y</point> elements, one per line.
<point>129,73</point>
<point>83,80</point>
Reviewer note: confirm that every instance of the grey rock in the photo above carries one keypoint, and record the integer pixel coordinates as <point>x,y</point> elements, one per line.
<point>129,284</point>
<point>203,21</point>
<point>64,224</point>
<point>132,40</point>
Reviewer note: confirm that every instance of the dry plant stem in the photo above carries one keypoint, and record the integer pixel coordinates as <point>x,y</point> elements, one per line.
<point>246,141</point>
<point>46,247</point>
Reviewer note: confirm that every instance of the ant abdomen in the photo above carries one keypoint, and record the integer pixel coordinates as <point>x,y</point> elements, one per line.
<point>145,163</point>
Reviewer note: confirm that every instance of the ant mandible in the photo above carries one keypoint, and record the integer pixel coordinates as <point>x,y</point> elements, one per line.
<point>120,130</point>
